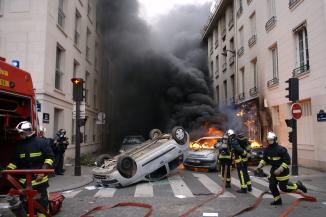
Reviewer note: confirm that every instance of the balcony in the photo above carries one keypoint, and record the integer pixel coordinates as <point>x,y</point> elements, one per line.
<point>302,70</point>
<point>249,2</point>
<point>61,17</point>
<point>252,41</point>
<point>272,83</point>
<point>253,91</point>
<point>270,24</point>
<point>294,3</point>
<point>231,60</point>
<point>216,43</point>
<point>211,50</point>
<point>231,24</point>
<point>76,38</point>
<point>239,12</point>
<point>241,96</point>
<point>223,33</point>
<point>224,67</point>
<point>240,51</point>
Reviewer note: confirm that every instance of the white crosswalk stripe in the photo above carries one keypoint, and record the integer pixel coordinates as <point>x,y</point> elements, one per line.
<point>71,193</point>
<point>179,187</point>
<point>105,192</point>
<point>255,191</point>
<point>211,185</point>
<point>144,190</point>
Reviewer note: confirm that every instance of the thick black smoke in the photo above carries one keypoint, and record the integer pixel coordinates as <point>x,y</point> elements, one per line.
<point>159,74</point>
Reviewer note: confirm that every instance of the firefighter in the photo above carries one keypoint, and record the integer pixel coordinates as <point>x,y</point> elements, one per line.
<point>278,157</point>
<point>59,147</point>
<point>239,153</point>
<point>33,152</point>
<point>226,160</point>
<point>244,143</point>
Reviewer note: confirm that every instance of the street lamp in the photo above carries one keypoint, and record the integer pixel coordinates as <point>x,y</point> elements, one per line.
<point>224,53</point>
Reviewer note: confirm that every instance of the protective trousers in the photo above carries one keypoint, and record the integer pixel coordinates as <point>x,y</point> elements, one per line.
<point>42,198</point>
<point>283,182</point>
<point>242,173</point>
<point>245,173</point>
<point>226,165</point>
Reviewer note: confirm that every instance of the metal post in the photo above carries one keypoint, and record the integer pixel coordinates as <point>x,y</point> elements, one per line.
<point>294,148</point>
<point>77,148</point>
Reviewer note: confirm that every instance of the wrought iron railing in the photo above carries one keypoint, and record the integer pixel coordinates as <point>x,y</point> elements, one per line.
<point>253,91</point>
<point>270,23</point>
<point>293,3</point>
<point>231,60</point>
<point>231,23</point>
<point>249,1</point>
<point>252,40</point>
<point>241,96</point>
<point>273,82</point>
<point>224,67</point>
<point>240,51</point>
<point>301,70</point>
<point>239,12</point>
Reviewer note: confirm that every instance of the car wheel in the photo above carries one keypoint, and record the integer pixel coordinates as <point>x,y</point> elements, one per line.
<point>101,159</point>
<point>179,135</point>
<point>154,133</point>
<point>127,166</point>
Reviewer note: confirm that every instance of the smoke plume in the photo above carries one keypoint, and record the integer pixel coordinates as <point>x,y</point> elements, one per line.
<point>159,76</point>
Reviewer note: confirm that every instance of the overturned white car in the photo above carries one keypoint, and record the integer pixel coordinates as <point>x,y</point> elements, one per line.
<point>150,161</point>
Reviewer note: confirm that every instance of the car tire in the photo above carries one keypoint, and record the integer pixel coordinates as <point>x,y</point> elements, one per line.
<point>154,133</point>
<point>179,135</point>
<point>127,166</point>
<point>101,159</point>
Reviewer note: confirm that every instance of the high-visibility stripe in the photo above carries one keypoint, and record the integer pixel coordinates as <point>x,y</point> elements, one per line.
<point>274,158</point>
<point>224,157</point>
<point>48,161</point>
<point>45,179</point>
<point>292,187</point>
<point>35,154</point>
<point>284,165</point>
<point>243,184</point>
<point>245,159</point>
<point>282,178</point>
<point>277,197</point>
<point>22,155</point>
<point>249,183</point>
<point>238,160</point>
<point>262,162</point>
<point>12,166</point>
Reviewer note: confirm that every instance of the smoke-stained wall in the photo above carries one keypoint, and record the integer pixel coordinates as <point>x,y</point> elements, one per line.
<point>160,76</point>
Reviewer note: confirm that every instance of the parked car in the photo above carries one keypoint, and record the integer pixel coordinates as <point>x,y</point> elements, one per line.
<point>129,142</point>
<point>149,161</point>
<point>203,154</point>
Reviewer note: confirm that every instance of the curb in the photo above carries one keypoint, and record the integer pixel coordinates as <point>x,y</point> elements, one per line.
<point>86,180</point>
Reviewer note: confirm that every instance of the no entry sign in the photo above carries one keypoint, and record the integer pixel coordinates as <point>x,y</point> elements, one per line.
<point>296,111</point>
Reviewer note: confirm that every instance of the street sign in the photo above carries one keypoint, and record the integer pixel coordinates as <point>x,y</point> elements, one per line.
<point>321,116</point>
<point>82,111</point>
<point>296,111</point>
<point>100,118</point>
<point>46,118</point>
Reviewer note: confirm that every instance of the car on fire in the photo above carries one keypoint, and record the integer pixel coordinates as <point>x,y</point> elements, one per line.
<point>150,161</point>
<point>203,153</point>
<point>256,153</point>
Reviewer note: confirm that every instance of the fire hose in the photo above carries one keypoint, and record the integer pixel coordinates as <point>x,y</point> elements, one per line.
<point>28,192</point>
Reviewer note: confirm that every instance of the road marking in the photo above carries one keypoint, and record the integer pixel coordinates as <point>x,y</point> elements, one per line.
<point>266,184</point>
<point>71,193</point>
<point>105,192</point>
<point>179,187</point>
<point>211,185</point>
<point>255,192</point>
<point>207,214</point>
<point>144,190</point>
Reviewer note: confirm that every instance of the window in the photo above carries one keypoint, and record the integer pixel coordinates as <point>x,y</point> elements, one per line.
<point>253,24</point>
<point>216,37</point>
<point>275,62</point>
<point>57,118</point>
<point>302,47</point>
<point>212,68</point>
<point>1,7</point>
<point>271,9</point>
<point>232,44</point>
<point>218,95</point>
<point>75,69</point>
<point>89,10</point>
<point>232,88</point>
<point>242,71</point>
<point>96,56</point>
<point>241,37</point>
<point>61,14</point>
<point>59,68</point>
<point>87,87</point>
<point>95,93</point>
<point>94,129</point>
<point>255,69</point>
<point>239,8</point>
<point>225,86</point>
<point>224,59</point>
<point>88,35</point>
<point>77,28</point>
<point>217,65</point>
<point>210,44</point>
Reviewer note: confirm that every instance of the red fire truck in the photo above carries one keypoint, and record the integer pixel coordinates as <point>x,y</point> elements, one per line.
<point>17,103</point>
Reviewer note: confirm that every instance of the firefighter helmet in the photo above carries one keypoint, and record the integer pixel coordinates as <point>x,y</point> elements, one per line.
<point>25,128</point>
<point>61,133</point>
<point>271,138</point>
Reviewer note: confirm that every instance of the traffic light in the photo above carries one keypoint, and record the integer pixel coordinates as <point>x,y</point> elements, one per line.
<point>78,89</point>
<point>293,89</point>
<point>291,124</point>
<point>290,136</point>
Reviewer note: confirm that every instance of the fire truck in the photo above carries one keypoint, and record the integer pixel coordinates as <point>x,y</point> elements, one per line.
<point>17,103</point>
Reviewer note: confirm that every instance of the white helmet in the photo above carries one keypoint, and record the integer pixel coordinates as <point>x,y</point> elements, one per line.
<point>230,132</point>
<point>26,128</point>
<point>271,138</point>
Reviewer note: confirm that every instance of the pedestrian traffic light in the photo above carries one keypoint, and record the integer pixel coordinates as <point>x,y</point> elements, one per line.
<point>293,89</point>
<point>290,136</point>
<point>78,89</point>
<point>291,124</point>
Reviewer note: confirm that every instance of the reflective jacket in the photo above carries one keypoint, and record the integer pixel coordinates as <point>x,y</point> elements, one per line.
<point>245,145</point>
<point>224,151</point>
<point>239,152</point>
<point>32,153</point>
<point>276,155</point>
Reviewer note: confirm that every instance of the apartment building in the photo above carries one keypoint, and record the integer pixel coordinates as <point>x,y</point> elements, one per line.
<point>56,40</point>
<point>276,40</point>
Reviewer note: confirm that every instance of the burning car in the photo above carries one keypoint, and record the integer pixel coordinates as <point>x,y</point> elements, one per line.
<point>203,154</point>
<point>257,152</point>
<point>149,161</point>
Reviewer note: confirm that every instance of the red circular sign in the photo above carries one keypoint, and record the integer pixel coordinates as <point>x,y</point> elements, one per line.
<point>296,111</point>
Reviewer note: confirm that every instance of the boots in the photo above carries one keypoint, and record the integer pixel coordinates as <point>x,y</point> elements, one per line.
<point>242,191</point>
<point>228,185</point>
<point>301,187</point>
<point>277,202</point>
<point>249,188</point>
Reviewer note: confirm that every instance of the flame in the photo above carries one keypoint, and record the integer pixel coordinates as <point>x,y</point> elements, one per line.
<point>255,144</point>
<point>203,144</point>
<point>214,132</point>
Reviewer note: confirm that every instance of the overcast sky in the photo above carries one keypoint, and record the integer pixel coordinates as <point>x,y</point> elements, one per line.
<point>150,10</point>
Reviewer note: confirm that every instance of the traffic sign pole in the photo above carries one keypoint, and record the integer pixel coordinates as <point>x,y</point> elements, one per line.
<point>294,149</point>
<point>77,149</point>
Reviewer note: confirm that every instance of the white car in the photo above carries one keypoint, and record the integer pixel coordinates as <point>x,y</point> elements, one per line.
<point>150,161</point>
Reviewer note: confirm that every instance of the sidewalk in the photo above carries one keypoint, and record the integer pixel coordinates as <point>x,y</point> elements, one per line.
<point>69,181</point>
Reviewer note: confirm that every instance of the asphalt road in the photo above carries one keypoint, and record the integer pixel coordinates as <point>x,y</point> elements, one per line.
<point>173,196</point>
